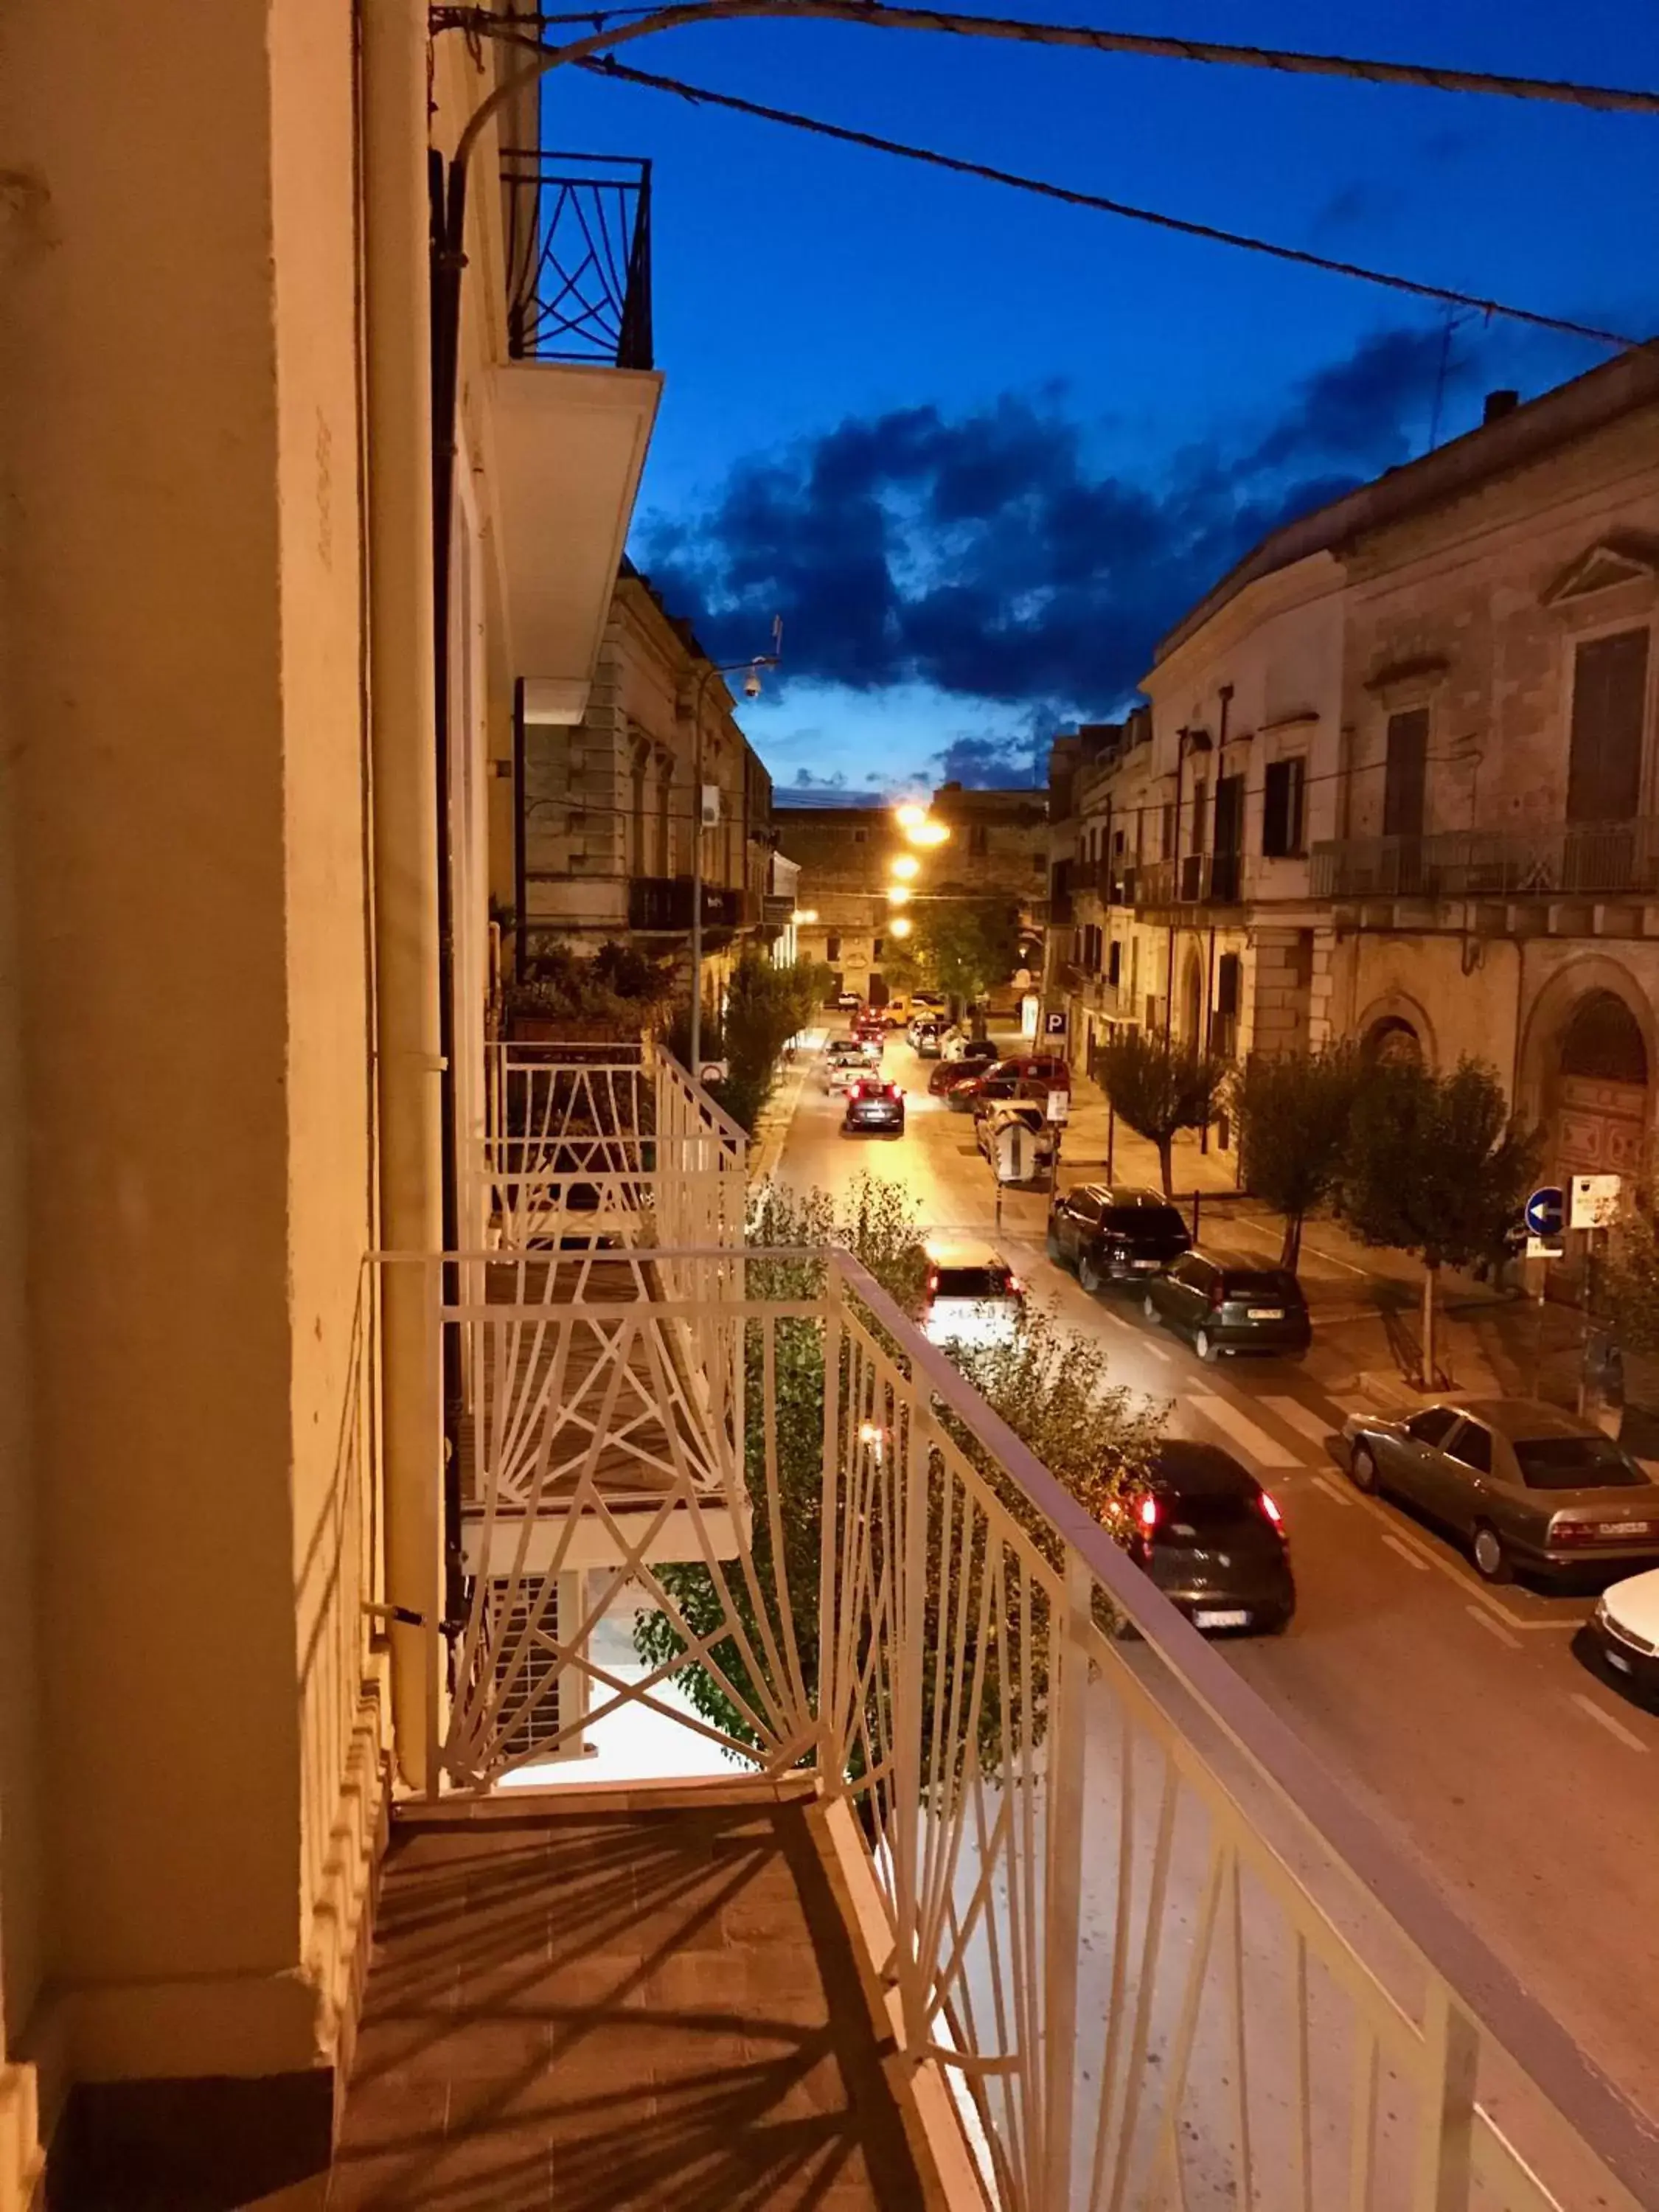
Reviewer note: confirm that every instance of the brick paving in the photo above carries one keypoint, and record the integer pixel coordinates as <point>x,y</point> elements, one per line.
<point>631,2002</point>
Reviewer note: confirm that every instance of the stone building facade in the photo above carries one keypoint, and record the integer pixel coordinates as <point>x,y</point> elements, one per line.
<point>1398,782</point>
<point>610,809</point>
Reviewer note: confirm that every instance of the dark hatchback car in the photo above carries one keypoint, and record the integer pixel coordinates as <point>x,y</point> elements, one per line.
<point>874,1106</point>
<point>1524,1484</point>
<point>1210,1538</point>
<point>1226,1307</point>
<point>1115,1233</point>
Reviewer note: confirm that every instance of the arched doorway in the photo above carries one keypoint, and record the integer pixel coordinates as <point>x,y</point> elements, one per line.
<point>1393,1042</point>
<point>1597,1099</point>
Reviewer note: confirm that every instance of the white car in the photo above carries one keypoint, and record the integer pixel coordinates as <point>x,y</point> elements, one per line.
<point>844,1064</point>
<point>973,1297</point>
<point>1626,1631</point>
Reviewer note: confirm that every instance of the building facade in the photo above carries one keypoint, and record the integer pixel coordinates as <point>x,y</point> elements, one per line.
<point>611,811</point>
<point>997,845</point>
<point>1397,780</point>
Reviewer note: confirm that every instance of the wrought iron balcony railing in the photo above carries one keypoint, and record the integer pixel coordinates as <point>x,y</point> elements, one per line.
<point>1578,859</point>
<point>661,905</point>
<point>578,259</point>
<point>1139,1949</point>
<point>1195,880</point>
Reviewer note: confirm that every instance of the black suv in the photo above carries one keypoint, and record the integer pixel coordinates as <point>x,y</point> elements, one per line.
<point>1112,1232</point>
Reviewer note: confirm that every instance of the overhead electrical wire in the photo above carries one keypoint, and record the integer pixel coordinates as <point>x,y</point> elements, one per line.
<point>1428,76</point>
<point>603,65</point>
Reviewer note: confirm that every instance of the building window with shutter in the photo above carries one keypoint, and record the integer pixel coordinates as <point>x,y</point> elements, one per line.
<point>978,841</point>
<point>1610,719</point>
<point>875,948</point>
<point>1405,774</point>
<point>1114,962</point>
<point>832,948</point>
<point>1282,809</point>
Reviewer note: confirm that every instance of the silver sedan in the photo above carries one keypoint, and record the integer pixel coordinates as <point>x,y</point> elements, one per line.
<point>1523,1484</point>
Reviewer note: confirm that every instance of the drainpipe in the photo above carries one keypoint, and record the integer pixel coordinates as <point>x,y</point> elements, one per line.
<point>1175,887</point>
<point>409,1050</point>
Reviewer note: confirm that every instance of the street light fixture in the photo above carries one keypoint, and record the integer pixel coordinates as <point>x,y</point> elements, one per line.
<point>910,815</point>
<point>899,894</point>
<point>906,866</point>
<point>899,926</point>
<point>927,832</point>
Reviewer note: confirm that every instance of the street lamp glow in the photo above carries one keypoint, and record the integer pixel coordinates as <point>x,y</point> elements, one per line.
<point>803,915</point>
<point>929,832</point>
<point>906,866</point>
<point>910,815</point>
<point>899,926</point>
<point>899,894</point>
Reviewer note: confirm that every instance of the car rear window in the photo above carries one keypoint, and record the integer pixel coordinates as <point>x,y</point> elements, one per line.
<point>1574,1463</point>
<point>1185,1520</point>
<point>1145,1220</point>
<point>971,1283</point>
<point>1262,1283</point>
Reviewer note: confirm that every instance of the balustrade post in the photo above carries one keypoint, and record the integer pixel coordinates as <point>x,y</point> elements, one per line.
<point>1443,2172</point>
<point>832,1773</point>
<point>1062,1917</point>
<point>909,1581</point>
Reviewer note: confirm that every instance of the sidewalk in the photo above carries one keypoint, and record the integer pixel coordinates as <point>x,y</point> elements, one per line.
<point>1366,1300</point>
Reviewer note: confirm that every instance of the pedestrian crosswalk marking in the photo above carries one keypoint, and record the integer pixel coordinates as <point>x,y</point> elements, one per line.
<point>1303,1419</point>
<point>1238,1428</point>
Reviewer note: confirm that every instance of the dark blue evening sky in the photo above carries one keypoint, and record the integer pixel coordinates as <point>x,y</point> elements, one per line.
<point>980,449</point>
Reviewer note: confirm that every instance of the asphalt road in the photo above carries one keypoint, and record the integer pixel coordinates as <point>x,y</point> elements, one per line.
<point>1525,1784</point>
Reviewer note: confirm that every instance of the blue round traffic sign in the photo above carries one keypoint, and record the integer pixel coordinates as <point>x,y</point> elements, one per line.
<point>1547,1212</point>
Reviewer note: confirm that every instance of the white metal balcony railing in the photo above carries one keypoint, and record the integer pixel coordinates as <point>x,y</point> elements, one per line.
<point>606,1143</point>
<point>1157,1959</point>
<point>1570,859</point>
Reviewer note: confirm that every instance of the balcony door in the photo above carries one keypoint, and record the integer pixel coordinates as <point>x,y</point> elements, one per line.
<point>1609,716</point>
<point>1405,777</point>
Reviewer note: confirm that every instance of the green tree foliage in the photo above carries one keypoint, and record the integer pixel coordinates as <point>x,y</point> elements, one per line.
<point>1053,1388</point>
<point>1627,1291</point>
<point>970,945</point>
<point>1434,1164</point>
<point>765,1006</point>
<point>618,988</point>
<point>1159,1089</point>
<point>1293,1113</point>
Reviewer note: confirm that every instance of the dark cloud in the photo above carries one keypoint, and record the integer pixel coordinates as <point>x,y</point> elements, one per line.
<point>994,764</point>
<point>1355,203</point>
<point>986,556</point>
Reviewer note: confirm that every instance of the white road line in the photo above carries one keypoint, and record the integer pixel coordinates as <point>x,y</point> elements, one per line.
<point>1303,1419</point>
<point>1406,1553</point>
<point>1334,1490</point>
<point>1256,1442</point>
<point>1277,1237</point>
<point>1612,1726</point>
<point>1493,1626</point>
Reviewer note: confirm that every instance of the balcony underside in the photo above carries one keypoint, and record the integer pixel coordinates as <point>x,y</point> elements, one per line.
<point>570,442</point>
<point>648,1998</point>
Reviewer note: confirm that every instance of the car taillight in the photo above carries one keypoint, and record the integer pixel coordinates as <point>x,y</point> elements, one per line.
<point>1563,1531</point>
<point>1016,1288</point>
<point>933,1284</point>
<point>1150,1510</point>
<point>1270,1507</point>
<point>892,1090</point>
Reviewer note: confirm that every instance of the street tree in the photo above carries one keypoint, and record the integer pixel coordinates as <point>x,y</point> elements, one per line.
<point>765,1006</point>
<point>1628,1288</point>
<point>1436,1165</point>
<point>970,944</point>
<point>1293,1113</point>
<point>1052,1387</point>
<point>1159,1089</point>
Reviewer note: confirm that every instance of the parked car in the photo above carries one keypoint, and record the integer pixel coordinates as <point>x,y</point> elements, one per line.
<point>974,1091</point>
<point>895,1014</point>
<point>933,1001</point>
<point>1041,1069</point>
<point>870,1037</point>
<point>925,1037</point>
<point>988,1128</point>
<point>1626,1631</point>
<point>956,1045</point>
<point>1226,1307</point>
<point>1115,1233</point>
<point>1210,1538</point>
<point>973,1296</point>
<point>848,1001</point>
<point>874,1106</point>
<point>947,1073</point>
<point>844,1064</point>
<point>1524,1484</point>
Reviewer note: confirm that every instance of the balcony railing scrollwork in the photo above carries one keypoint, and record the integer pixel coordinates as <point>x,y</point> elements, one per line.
<point>578,259</point>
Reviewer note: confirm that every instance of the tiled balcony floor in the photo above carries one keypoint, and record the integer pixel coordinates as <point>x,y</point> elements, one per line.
<point>636,2002</point>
